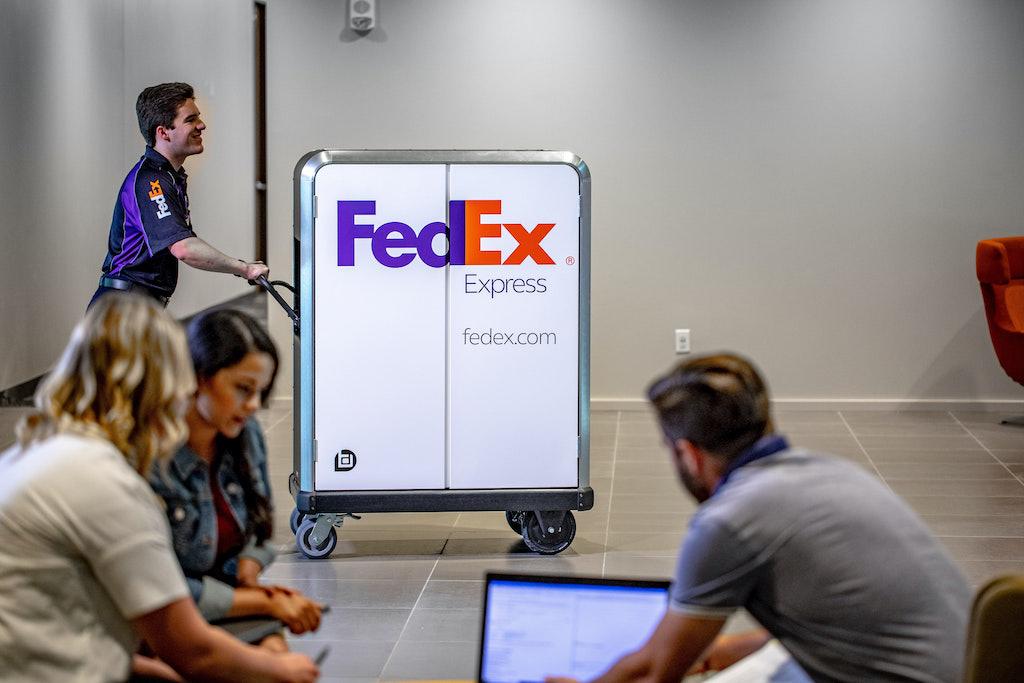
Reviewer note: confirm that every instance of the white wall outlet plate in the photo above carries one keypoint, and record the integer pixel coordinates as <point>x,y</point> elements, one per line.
<point>682,341</point>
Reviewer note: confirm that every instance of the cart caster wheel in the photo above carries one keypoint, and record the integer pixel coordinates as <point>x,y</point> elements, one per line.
<point>305,544</point>
<point>515,520</point>
<point>556,540</point>
<point>295,520</point>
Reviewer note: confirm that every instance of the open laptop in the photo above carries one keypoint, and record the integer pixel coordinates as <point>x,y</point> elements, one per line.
<point>537,626</point>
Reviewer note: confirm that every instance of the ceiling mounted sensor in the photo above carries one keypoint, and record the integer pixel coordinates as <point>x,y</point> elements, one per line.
<point>362,15</point>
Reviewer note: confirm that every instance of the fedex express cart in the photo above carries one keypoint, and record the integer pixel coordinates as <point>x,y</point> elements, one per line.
<point>442,351</point>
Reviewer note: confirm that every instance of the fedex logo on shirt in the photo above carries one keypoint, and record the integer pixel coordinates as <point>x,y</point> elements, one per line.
<point>392,241</point>
<point>156,194</point>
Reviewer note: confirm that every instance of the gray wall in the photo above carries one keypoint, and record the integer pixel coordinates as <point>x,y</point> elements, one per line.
<point>70,71</point>
<point>800,180</point>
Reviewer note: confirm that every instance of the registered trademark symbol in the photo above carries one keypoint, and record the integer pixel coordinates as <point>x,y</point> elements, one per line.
<point>570,260</point>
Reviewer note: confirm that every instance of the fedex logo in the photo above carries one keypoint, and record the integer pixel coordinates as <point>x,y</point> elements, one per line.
<point>465,237</point>
<point>156,194</point>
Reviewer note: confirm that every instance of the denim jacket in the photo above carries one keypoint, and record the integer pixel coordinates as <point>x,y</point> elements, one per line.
<point>184,484</point>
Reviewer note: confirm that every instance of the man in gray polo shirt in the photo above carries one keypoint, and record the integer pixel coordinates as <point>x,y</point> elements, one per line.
<point>834,566</point>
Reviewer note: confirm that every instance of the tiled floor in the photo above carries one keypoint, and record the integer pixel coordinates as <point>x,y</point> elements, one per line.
<point>405,589</point>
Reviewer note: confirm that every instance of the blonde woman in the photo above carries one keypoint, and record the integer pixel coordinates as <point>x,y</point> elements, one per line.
<point>86,564</point>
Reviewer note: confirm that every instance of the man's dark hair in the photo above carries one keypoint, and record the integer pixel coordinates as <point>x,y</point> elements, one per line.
<point>718,403</point>
<point>157,105</point>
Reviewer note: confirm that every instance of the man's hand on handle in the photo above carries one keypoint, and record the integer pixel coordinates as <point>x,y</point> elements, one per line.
<point>254,270</point>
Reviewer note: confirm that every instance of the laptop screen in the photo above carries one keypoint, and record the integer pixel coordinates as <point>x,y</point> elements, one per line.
<point>537,626</point>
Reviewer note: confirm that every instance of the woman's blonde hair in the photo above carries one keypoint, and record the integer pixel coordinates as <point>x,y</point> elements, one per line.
<point>125,375</point>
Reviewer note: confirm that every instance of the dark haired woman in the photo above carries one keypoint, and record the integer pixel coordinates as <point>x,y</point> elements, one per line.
<point>215,487</point>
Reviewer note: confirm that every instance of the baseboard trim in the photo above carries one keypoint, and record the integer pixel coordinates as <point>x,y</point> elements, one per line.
<point>639,405</point>
<point>851,404</point>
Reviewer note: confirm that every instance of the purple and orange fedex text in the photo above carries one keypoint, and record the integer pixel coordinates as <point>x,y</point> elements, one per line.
<point>465,235</point>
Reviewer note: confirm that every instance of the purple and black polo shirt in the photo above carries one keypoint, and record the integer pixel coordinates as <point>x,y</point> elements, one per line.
<point>150,215</point>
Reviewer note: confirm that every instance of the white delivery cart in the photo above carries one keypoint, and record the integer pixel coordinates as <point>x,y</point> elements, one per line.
<point>442,346</point>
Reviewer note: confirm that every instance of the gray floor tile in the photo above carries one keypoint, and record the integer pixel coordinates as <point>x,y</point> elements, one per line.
<point>332,569</point>
<point>853,453</point>
<point>943,470</point>
<point>966,505</point>
<point>472,544</point>
<point>895,417</point>
<point>647,468</point>
<point>980,571</point>
<point>443,626</point>
<point>345,661</point>
<point>641,427</point>
<point>362,624</point>
<point>910,429</point>
<point>641,440</point>
<point>956,487</point>
<point>639,566</point>
<point>657,485</point>
<point>796,433</point>
<point>793,416</point>
<point>667,504</point>
<point>361,593</point>
<point>880,455</point>
<point>980,417</point>
<point>474,569</point>
<point>828,444</point>
<point>1001,442</point>
<point>650,543</point>
<point>976,548</point>
<point>9,418</point>
<point>975,525</point>
<point>647,522</point>
<point>857,456</point>
<point>642,453</point>
<point>436,661</point>
<point>643,416</point>
<point>994,428</point>
<point>1012,456</point>
<point>929,443</point>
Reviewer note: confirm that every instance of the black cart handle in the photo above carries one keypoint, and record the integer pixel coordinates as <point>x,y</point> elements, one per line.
<point>269,287</point>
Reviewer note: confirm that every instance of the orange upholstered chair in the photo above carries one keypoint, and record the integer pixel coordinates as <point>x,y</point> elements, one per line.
<point>1000,263</point>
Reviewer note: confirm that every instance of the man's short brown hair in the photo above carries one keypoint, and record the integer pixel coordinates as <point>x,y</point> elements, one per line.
<point>157,105</point>
<point>718,403</point>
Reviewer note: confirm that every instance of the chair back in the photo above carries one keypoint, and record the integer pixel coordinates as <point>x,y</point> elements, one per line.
<point>995,635</point>
<point>1000,260</point>
<point>1000,267</point>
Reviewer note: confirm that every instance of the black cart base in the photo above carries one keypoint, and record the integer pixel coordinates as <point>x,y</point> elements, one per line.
<point>543,517</point>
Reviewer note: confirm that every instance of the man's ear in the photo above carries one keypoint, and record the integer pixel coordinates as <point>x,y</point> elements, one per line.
<point>690,455</point>
<point>161,133</point>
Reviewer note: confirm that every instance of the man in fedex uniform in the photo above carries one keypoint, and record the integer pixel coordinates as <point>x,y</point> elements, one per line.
<point>151,229</point>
